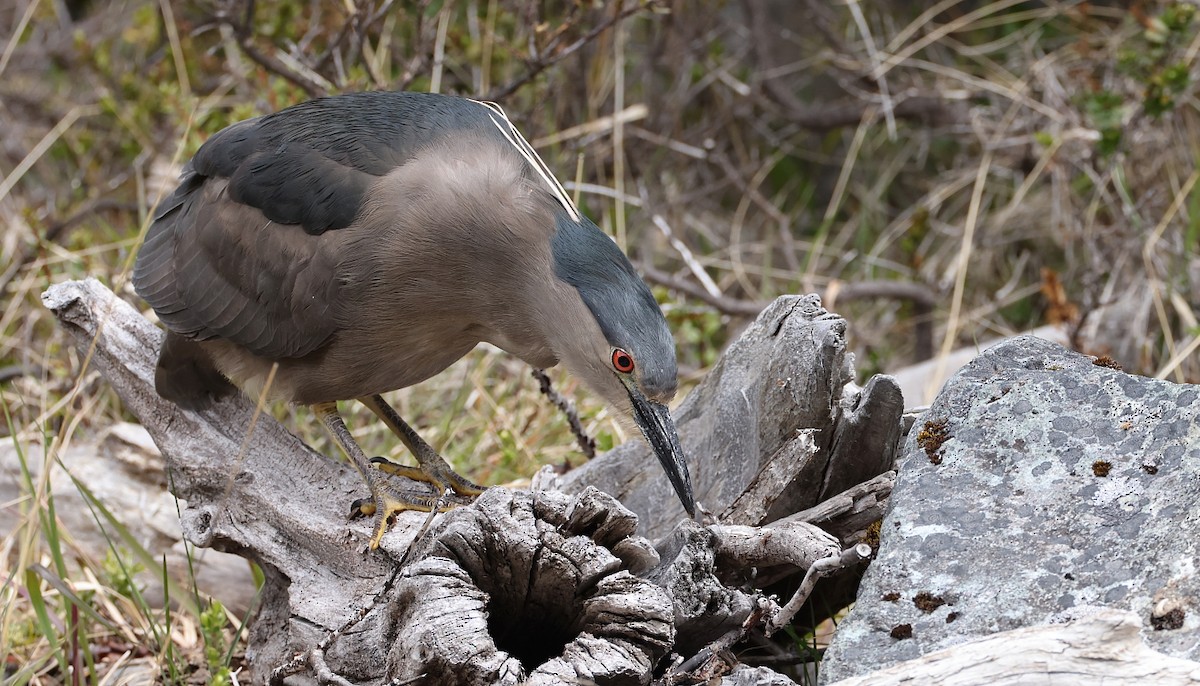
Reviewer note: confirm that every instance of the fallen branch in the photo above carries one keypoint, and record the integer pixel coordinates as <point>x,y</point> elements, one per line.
<point>818,569</point>
<point>587,444</point>
<point>715,660</point>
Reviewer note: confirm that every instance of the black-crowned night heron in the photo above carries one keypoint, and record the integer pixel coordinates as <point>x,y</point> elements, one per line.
<point>365,242</point>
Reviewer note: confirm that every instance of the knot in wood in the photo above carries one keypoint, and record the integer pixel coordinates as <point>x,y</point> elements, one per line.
<point>525,587</point>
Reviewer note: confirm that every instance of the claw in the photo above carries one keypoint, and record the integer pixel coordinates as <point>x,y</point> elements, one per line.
<point>362,507</point>
<point>385,505</point>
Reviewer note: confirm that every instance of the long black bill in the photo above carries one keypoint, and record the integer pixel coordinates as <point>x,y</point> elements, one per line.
<point>656,424</point>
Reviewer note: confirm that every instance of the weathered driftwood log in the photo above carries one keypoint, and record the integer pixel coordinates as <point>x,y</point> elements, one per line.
<point>1103,648</point>
<point>263,493</point>
<point>540,586</point>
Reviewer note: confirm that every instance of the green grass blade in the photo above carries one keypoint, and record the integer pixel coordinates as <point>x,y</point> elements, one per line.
<point>34,588</point>
<point>46,516</point>
<point>69,594</point>
<point>106,521</point>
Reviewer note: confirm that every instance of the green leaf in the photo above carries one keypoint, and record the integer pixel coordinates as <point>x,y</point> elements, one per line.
<point>604,442</point>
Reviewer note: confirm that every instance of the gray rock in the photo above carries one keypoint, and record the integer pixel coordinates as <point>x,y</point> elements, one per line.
<point>755,676</point>
<point>1020,523</point>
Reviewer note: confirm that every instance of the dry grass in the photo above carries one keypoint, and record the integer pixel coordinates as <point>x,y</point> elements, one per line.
<point>745,151</point>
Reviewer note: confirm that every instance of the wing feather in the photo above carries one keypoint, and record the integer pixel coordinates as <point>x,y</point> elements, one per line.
<point>213,268</point>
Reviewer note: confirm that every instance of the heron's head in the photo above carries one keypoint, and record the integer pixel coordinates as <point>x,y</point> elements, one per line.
<point>628,355</point>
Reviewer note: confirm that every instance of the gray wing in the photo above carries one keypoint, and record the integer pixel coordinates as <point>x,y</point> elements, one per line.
<point>212,267</point>
<point>239,251</point>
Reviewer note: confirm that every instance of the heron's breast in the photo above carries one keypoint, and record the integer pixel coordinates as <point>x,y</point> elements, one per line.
<point>359,363</point>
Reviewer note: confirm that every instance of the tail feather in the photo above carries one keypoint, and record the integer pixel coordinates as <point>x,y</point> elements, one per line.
<point>186,375</point>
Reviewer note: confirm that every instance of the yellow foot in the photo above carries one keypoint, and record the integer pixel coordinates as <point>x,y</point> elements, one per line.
<point>385,507</point>
<point>440,475</point>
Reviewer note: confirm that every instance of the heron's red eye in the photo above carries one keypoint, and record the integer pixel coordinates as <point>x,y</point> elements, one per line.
<point>622,361</point>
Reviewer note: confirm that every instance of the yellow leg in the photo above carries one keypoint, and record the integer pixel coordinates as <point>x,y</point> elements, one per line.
<point>384,504</point>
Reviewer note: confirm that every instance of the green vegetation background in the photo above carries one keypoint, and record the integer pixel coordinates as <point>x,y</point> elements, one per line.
<point>942,173</point>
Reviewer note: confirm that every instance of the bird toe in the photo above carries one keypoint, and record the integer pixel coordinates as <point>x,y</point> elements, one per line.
<point>362,507</point>
<point>387,506</point>
<point>435,472</point>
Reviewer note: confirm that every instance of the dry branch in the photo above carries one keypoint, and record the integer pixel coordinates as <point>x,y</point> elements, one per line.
<point>539,63</point>
<point>924,299</point>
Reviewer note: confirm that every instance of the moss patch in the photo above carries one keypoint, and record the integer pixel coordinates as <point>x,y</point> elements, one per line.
<point>931,438</point>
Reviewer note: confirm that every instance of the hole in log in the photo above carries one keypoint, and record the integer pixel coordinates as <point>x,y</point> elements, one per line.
<point>533,635</point>
<point>502,591</point>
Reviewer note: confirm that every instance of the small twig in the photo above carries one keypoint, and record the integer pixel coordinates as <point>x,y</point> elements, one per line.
<point>301,68</point>
<point>714,660</point>
<point>283,671</point>
<point>334,45</point>
<point>880,80</point>
<point>269,62</point>
<point>598,126</point>
<point>685,253</point>
<point>825,567</point>
<point>362,24</point>
<point>440,506</point>
<point>669,143</point>
<point>825,117</point>
<point>361,43</point>
<point>324,674</point>
<point>725,304</point>
<point>921,296</point>
<point>586,443</point>
<point>421,50</point>
<point>602,191</point>
<point>277,67</point>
